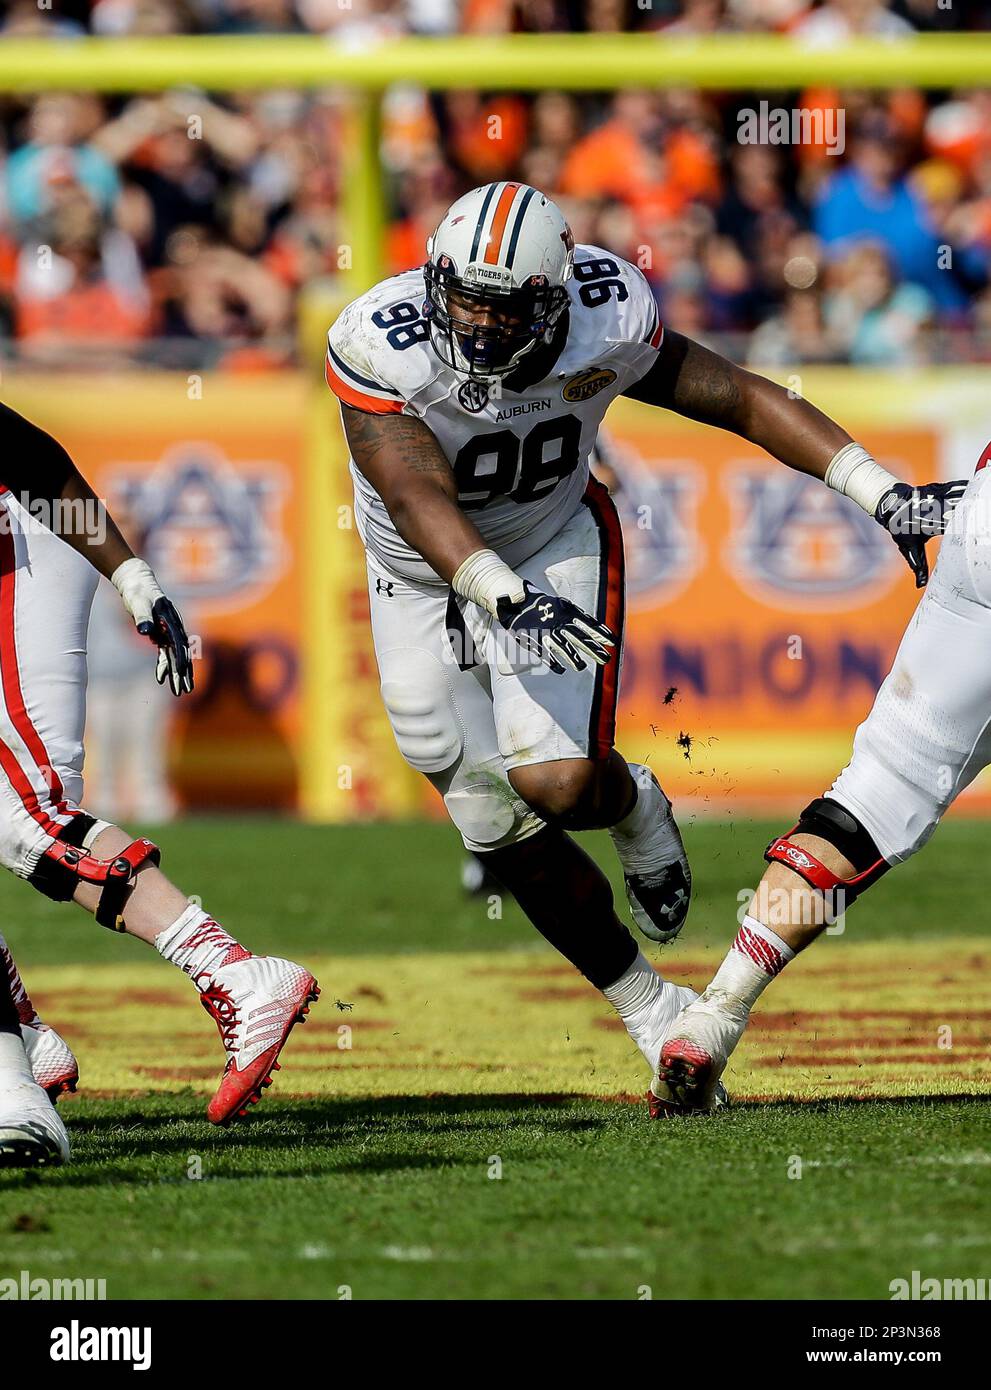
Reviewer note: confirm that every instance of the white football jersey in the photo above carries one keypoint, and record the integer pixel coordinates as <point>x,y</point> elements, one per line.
<point>520,458</point>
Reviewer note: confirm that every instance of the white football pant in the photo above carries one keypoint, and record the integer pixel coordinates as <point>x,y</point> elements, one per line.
<point>46,590</point>
<point>927,735</point>
<point>466,706</point>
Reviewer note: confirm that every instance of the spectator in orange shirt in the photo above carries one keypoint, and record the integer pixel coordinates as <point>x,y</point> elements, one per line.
<point>610,162</point>
<point>79,284</point>
<point>634,157</point>
<point>485,136</point>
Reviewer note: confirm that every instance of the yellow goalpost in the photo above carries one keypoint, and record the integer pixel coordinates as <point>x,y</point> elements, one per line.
<point>523,62</point>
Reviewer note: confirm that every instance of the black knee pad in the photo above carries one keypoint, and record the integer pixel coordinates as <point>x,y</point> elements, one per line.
<point>831,821</point>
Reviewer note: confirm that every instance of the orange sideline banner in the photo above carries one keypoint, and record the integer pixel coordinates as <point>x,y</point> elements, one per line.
<point>763,612</point>
<point>763,609</point>
<point>206,474</point>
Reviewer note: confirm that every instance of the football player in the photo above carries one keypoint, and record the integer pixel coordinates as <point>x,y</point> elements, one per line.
<point>30,1133</point>
<point>926,738</point>
<point>46,587</point>
<point>471,393</point>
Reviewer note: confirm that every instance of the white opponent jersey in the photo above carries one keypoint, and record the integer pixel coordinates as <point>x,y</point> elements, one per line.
<point>520,458</point>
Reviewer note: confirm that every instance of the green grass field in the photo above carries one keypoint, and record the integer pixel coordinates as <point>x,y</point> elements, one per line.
<point>459,1117</point>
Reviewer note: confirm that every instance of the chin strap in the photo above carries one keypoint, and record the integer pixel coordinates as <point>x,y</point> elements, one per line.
<point>62,866</point>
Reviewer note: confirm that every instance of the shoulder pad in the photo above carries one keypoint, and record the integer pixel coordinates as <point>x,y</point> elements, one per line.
<point>608,283</point>
<point>378,354</point>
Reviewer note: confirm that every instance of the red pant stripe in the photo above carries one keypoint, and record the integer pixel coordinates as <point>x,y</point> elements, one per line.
<point>13,697</point>
<point>611,611</point>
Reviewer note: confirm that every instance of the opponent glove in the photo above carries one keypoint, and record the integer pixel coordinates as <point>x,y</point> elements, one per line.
<point>913,515</point>
<point>555,630</point>
<point>156,617</point>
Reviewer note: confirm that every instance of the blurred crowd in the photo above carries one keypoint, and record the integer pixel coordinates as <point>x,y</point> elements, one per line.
<point>181,229</point>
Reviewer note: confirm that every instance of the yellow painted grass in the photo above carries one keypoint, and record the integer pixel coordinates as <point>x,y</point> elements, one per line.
<point>847,1019</point>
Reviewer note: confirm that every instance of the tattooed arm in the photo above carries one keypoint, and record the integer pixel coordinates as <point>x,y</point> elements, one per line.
<point>701,385</point>
<point>402,460</point>
<point>693,381</point>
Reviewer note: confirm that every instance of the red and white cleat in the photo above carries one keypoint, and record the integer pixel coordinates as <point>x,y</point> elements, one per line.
<point>693,1057</point>
<point>255,1004</point>
<point>683,1083</point>
<point>52,1064</point>
<point>54,1067</point>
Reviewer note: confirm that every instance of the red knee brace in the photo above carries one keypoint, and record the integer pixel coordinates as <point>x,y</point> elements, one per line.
<point>816,875</point>
<point>62,866</point>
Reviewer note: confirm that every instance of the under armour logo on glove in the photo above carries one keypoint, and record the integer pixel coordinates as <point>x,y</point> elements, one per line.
<point>913,515</point>
<point>556,631</point>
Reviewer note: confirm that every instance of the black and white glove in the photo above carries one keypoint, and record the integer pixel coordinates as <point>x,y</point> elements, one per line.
<point>913,515</point>
<point>157,618</point>
<point>555,630</point>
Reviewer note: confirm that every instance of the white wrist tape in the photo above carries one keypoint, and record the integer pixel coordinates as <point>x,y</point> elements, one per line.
<point>854,473</point>
<point>484,579</point>
<point>135,581</point>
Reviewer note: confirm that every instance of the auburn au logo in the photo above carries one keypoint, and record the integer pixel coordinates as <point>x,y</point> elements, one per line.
<point>213,525</point>
<point>795,544</point>
<point>588,383</point>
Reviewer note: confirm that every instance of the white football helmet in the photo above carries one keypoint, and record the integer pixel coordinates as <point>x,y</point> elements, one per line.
<point>495,275</point>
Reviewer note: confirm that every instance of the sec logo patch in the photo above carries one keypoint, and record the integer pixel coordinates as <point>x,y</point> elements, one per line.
<point>588,383</point>
<point>473,396</point>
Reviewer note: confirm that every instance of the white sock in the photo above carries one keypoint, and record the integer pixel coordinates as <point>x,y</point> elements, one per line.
<point>756,957</point>
<point>647,1004</point>
<point>15,1069</point>
<point>644,810</point>
<point>199,946</point>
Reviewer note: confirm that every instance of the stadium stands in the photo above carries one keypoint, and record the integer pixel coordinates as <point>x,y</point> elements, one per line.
<point>176,229</point>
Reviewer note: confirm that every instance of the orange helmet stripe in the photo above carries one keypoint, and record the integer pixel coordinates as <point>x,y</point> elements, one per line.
<point>499,220</point>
